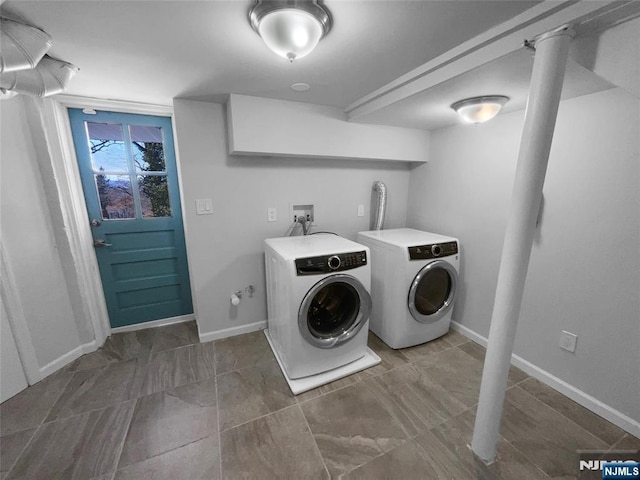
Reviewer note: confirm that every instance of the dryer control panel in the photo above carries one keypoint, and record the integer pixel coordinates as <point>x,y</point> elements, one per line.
<point>330,263</point>
<point>435,250</point>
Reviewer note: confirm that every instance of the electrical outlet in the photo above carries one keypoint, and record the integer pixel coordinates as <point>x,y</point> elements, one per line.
<point>361,210</point>
<point>272,214</point>
<point>568,341</point>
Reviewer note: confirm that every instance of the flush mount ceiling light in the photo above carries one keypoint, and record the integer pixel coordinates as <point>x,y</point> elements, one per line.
<point>479,109</point>
<point>291,28</point>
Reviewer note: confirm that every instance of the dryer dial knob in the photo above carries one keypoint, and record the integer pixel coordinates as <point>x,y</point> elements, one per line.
<point>334,262</point>
<point>436,250</point>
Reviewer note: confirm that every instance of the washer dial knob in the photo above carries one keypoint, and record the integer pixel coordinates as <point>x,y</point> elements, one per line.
<point>334,262</point>
<point>436,250</point>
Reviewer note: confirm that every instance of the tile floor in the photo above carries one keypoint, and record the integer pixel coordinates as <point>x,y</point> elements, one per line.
<point>157,404</point>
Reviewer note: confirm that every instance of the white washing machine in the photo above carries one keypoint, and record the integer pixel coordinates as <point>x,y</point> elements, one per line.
<point>318,308</point>
<point>414,278</point>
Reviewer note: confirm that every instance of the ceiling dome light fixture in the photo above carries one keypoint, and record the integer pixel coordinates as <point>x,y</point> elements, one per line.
<point>479,109</point>
<point>291,28</point>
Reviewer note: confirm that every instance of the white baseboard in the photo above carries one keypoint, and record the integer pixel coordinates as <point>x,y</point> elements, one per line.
<point>155,323</point>
<point>67,358</point>
<point>233,331</point>
<point>596,406</point>
<point>92,346</point>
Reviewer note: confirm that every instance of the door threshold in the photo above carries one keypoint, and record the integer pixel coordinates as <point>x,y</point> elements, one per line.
<point>154,323</point>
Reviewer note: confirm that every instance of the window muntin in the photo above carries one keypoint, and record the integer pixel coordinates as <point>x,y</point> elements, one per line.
<point>130,170</point>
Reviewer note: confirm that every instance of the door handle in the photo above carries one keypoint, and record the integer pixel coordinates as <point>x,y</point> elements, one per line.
<point>101,243</point>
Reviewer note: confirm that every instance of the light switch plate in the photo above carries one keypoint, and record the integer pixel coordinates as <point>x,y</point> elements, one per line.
<point>204,206</point>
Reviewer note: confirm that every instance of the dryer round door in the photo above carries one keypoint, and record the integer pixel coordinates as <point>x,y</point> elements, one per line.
<point>333,311</point>
<point>432,291</point>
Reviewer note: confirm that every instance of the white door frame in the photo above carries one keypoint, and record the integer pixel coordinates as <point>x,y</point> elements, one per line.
<point>55,122</point>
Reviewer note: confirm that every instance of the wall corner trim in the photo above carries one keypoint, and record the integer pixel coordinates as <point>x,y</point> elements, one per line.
<point>68,357</point>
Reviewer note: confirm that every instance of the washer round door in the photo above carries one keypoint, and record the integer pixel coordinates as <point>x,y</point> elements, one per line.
<point>333,311</point>
<point>433,291</point>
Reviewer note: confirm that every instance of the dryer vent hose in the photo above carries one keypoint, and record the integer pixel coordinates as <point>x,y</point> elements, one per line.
<point>381,190</point>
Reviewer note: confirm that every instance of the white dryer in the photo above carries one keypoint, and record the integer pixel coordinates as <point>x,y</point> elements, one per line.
<point>414,279</point>
<point>318,308</point>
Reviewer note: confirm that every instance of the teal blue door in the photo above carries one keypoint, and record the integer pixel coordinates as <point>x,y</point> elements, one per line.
<point>130,181</point>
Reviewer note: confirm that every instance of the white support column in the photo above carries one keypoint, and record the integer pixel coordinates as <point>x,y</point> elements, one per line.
<point>537,133</point>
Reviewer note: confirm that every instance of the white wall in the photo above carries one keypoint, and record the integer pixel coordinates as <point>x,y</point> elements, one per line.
<point>613,54</point>
<point>12,376</point>
<point>29,237</point>
<point>225,249</point>
<point>584,274</point>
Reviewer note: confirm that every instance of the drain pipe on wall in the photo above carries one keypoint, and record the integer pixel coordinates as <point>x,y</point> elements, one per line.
<point>551,51</point>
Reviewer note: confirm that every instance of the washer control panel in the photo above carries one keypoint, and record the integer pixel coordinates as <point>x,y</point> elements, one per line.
<point>434,250</point>
<point>330,263</point>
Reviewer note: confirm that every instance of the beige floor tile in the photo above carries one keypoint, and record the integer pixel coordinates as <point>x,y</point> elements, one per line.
<point>403,462</point>
<point>152,405</point>
<point>119,347</point>
<point>30,407</point>
<point>172,368</point>
<point>414,399</point>
<point>196,461</point>
<point>241,351</point>
<point>100,387</point>
<point>389,358</point>
<point>456,372</point>
<point>351,427</point>
<point>328,387</point>
<point>106,476</point>
<point>11,447</point>
<point>477,351</point>
<point>456,434</point>
<point>447,460</point>
<point>276,446</point>
<point>76,448</point>
<point>596,425</point>
<point>455,338</point>
<point>175,336</point>
<point>252,392</point>
<point>426,349</point>
<point>628,442</point>
<point>170,419</point>
<point>544,436</point>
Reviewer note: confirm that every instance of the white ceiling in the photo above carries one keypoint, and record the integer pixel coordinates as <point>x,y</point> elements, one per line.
<point>509,75</point>
<point>153,51</point>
